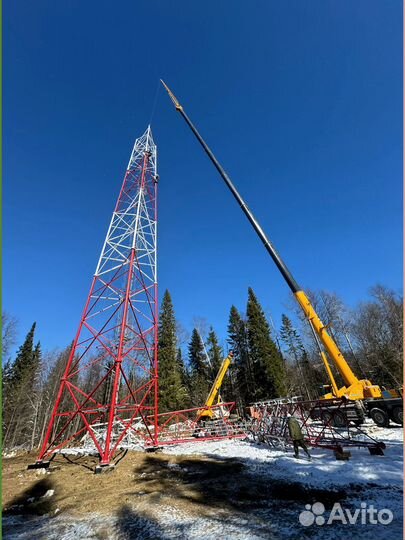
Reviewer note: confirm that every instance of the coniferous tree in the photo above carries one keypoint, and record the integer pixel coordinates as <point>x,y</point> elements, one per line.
<point>18,389</point>
<point>172,392</point>
<point>291,337</point>
<point>7,375</point>
<point>299,357</point>
<point>199,370</point>
<point>184,378</point>
<point>268,365</point>
<point>216,356</point>
<point>12,379</point>
<point>238,342</point>
<point>24,358</point>
<point>315,377</point>
<point>34,399</point>
<point>214,351</point>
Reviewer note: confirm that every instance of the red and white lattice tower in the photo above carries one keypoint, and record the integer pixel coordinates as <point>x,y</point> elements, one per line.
<point>110,385</point>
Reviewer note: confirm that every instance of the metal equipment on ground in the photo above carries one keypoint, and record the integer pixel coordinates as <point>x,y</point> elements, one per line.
<point>318,421</point>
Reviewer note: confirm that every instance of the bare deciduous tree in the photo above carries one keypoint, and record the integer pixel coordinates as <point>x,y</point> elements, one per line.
<point>9,333</point>
<point>378,330</point>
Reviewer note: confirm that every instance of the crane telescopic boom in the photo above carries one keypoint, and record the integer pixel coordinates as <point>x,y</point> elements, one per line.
<point>355,388</point>
<point>214,392</point>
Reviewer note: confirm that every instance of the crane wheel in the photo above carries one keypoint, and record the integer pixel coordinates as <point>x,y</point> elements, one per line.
<point>339,420</point>
<point>397,415</point>
<point>326,417</point>
<point>380,417</point>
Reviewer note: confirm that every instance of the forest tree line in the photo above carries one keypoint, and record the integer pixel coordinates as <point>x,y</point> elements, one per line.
<point>267,363</point>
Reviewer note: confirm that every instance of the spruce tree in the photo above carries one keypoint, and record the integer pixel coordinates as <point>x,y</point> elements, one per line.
<point>19,387</point>
<point>172,393</point>
<point>238,342</point>
<point>214,351</point>
<point>24,359</point>
<point>7,375</point>
<point>297,355</point>
<point>199,370</point>
<point>184,378</point>
<point>268,365</point>
<point>216,356</point>
<point>12,382</point>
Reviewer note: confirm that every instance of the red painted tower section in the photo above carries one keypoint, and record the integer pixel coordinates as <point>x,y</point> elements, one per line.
<point>109,389</point>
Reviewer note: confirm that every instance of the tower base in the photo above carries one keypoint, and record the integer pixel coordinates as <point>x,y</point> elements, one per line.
<point>39,465</point>
<point>104,468</point>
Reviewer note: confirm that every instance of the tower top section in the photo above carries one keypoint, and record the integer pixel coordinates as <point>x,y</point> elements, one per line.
<point>144,144</point>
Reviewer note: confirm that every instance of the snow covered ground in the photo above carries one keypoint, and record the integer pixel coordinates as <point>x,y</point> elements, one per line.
<point>362,468</point>
<point>371,482</point>
<point>365,484</point>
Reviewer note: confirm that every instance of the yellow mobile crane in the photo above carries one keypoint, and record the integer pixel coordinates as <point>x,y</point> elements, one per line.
<point>379,408</point>
<point>207,413</point>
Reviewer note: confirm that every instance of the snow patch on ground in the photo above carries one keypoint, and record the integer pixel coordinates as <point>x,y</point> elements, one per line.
<point>172,524</point>
<point>375,480</point>
<point>324,468</point>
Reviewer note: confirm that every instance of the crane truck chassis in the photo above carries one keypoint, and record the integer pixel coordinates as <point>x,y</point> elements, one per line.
<point>375,404</point>
<point>381,411</point>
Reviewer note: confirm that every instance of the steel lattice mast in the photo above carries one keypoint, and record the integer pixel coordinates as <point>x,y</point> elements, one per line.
<point>111,378</point>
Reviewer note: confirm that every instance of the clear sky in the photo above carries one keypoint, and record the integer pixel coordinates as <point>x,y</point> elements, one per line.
<point>301,102</point>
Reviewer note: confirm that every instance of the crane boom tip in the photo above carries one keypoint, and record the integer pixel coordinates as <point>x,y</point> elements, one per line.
<point>172,96</point>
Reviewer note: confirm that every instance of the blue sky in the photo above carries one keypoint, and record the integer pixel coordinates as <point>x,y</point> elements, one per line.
<point>301,102</point>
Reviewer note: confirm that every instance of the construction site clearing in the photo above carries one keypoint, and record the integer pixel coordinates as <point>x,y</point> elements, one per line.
<point>228,488</point>
<point>121,317</point>
<point>209,471</point>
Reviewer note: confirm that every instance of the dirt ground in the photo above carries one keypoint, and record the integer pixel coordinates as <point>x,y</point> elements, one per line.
<point>143,481</point>
<point>158,496</point>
